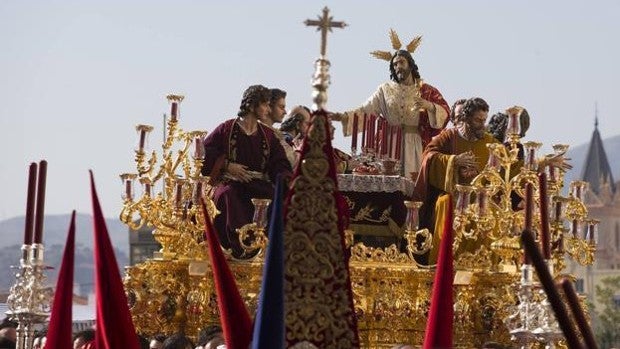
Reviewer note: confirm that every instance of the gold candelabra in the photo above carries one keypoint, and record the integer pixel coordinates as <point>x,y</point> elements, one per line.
<point>174,212</point>
<point>252,236</point>
<point>174,291</point>
<point>489,215</point>
<point>420,241</point>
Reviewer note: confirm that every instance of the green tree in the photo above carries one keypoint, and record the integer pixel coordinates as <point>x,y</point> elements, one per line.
<point>608,325</point>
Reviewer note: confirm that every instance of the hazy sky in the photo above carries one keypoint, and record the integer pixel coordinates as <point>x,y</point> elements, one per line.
<point>77,76</point>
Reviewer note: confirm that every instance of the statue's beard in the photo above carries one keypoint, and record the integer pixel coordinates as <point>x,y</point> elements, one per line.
<point>402,75</point>
<point>479,133</point>
<point>470,133</point>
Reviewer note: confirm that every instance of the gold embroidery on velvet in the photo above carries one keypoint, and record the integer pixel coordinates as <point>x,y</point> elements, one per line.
<point>317,297</point>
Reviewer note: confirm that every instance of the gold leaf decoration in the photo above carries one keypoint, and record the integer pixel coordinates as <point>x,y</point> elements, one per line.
<point>413,45</point>
<point>396,44</point>
<point>384,55</point>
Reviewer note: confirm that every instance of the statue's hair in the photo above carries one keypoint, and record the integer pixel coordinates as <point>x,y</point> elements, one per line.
<point>453,117</point>
<point>252,97</point>
<point>497,126</point>
<point>276,94</point>
<point>471,106</point>
<point>499,122</point>
<point>294,122</point>
<point>414,68</point>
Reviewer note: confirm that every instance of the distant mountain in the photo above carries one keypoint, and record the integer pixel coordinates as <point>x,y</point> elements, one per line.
<point>578,155</point>
<point>55,229</point>
<point>54,238</point>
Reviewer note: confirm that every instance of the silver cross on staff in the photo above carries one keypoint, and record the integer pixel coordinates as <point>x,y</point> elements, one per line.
<point>324,24</point>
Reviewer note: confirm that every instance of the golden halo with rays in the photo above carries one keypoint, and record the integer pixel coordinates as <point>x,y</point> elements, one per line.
<point>396,45</point>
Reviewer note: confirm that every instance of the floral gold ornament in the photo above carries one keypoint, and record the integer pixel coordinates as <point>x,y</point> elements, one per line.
<point>317,298</point>
<point>252,237</point>
<point>419,242</point>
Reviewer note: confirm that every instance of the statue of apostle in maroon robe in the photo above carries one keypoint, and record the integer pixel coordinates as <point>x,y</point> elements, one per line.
<point>243,159</point>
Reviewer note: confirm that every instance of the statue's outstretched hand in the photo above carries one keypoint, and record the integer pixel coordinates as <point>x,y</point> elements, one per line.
<point>336,116</point>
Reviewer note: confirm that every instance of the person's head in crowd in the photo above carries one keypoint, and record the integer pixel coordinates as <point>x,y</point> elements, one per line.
<point>9,333</point>
<point>6,343</point>
<point>39,341</point>
<point>144,342</point>
<point>6,322</point>
<point>83,337</point>
<point>210,337</point>
<point>178,341</point>
<point>402,346</point>
<point>157,341</point>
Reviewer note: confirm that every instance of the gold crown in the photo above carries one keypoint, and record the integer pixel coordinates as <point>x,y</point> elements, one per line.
<point>396,44</point>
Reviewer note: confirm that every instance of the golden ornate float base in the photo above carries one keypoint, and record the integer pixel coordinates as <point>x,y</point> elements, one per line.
<point>392,298</point>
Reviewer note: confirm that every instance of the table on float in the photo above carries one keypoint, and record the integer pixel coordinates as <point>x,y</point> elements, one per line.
<point>377,211</point>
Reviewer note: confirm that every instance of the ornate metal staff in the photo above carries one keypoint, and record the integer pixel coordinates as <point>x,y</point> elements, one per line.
<point>29,298</point>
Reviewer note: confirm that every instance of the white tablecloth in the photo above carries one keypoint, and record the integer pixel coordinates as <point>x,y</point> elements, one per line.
<point>375,183</point>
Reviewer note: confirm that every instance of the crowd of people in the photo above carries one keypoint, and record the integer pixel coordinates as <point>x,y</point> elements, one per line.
<point>8,334</point>
<point>210,337</point>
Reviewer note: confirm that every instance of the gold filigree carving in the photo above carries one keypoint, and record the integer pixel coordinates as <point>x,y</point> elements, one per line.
<point>479,260</point>
<point>367,214</point>
<point>391,254</point>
